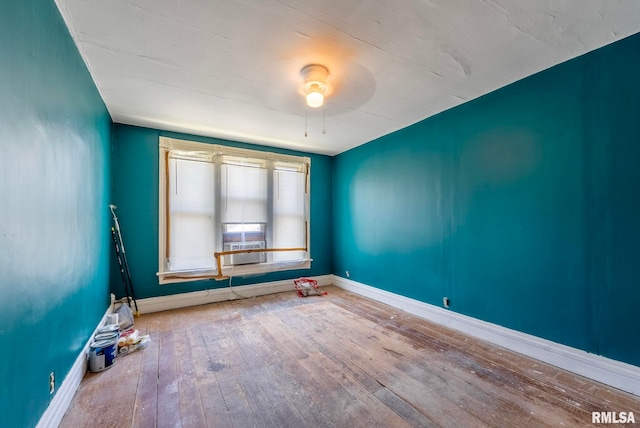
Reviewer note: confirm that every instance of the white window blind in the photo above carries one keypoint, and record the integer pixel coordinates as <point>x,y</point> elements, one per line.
<point>191,206</point>
<point>289,225</point>
<point>215,198</point>
<point>244,190</point>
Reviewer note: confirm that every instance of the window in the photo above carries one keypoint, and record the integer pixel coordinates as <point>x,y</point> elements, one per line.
<point>216,198</point>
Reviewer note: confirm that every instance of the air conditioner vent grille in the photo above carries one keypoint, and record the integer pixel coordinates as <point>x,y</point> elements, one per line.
<point>248,258</point>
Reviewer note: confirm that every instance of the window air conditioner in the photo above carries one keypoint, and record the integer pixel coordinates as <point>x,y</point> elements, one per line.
<point>246,258</point>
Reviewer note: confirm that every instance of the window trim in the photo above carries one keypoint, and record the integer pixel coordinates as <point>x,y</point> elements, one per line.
<point>211,151</point>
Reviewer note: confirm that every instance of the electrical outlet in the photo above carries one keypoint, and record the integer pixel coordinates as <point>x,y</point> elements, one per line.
<point>445,302</point>
<point>52,382</point>
<point>348,274</point>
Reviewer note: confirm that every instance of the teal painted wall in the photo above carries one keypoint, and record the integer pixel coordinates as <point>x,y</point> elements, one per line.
<point>55,136</point>
<point>135,190</point>
<point>520,206</point>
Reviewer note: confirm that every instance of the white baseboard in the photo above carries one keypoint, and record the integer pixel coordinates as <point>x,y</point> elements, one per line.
<point>623,376</point>
<point>175,301</point>
<point>58,406</point>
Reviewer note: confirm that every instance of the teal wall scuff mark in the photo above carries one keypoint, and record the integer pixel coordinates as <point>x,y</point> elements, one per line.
<point>520,206</point>
<point>55,135</point>
<point>135,189</point>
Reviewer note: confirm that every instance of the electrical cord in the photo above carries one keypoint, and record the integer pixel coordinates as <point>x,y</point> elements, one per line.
<point>234,291</point>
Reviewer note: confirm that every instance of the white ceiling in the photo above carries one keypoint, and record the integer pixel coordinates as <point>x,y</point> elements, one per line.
<point>231,69</point>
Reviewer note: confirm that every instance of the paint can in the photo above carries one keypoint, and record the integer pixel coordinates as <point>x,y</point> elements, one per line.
<point>102,355</point>
<point>110,335</point>
<point>108,328</point>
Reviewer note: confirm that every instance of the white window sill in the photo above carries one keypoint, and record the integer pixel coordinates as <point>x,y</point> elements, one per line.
<point>231,271</point>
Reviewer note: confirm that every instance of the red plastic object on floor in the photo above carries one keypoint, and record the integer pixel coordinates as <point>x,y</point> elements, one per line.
<point>306,286</point>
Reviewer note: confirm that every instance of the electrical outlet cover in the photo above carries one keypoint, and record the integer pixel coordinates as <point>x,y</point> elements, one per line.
<point>52,382</point>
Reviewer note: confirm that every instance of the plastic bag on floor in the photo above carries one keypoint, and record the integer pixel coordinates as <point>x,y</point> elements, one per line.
<point>125,316</point>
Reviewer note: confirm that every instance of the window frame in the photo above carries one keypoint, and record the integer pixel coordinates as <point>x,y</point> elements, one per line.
<point>215,152</point>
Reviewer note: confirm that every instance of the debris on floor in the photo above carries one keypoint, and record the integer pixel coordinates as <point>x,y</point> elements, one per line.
<point>130,340</point>
<point>112,341</point>
<point>305,286</point>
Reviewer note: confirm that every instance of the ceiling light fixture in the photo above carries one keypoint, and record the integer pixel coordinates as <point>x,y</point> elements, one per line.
<point>314,86</point>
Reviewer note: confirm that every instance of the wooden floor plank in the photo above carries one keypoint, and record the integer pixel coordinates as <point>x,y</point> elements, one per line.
<point>214,409</point>
<point>355,406</point>
<point>260,360</point>
<point>341,369</point>
<point>146,401</point>
<point>169,409</point>
<point>312,398</point>
<point>428,366</point>
<point>403,409</point>
<point>224,357</point>
<point>538,378</point>
<point>191,409</point>
<point>339,360</point>
<point>288,388</point>
<point>430,394</point>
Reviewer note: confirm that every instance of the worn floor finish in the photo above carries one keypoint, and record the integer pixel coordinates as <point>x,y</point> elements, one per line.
<point>339,360</point>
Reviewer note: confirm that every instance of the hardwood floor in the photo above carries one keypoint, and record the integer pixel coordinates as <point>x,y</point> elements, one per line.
<point>337,360</point>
